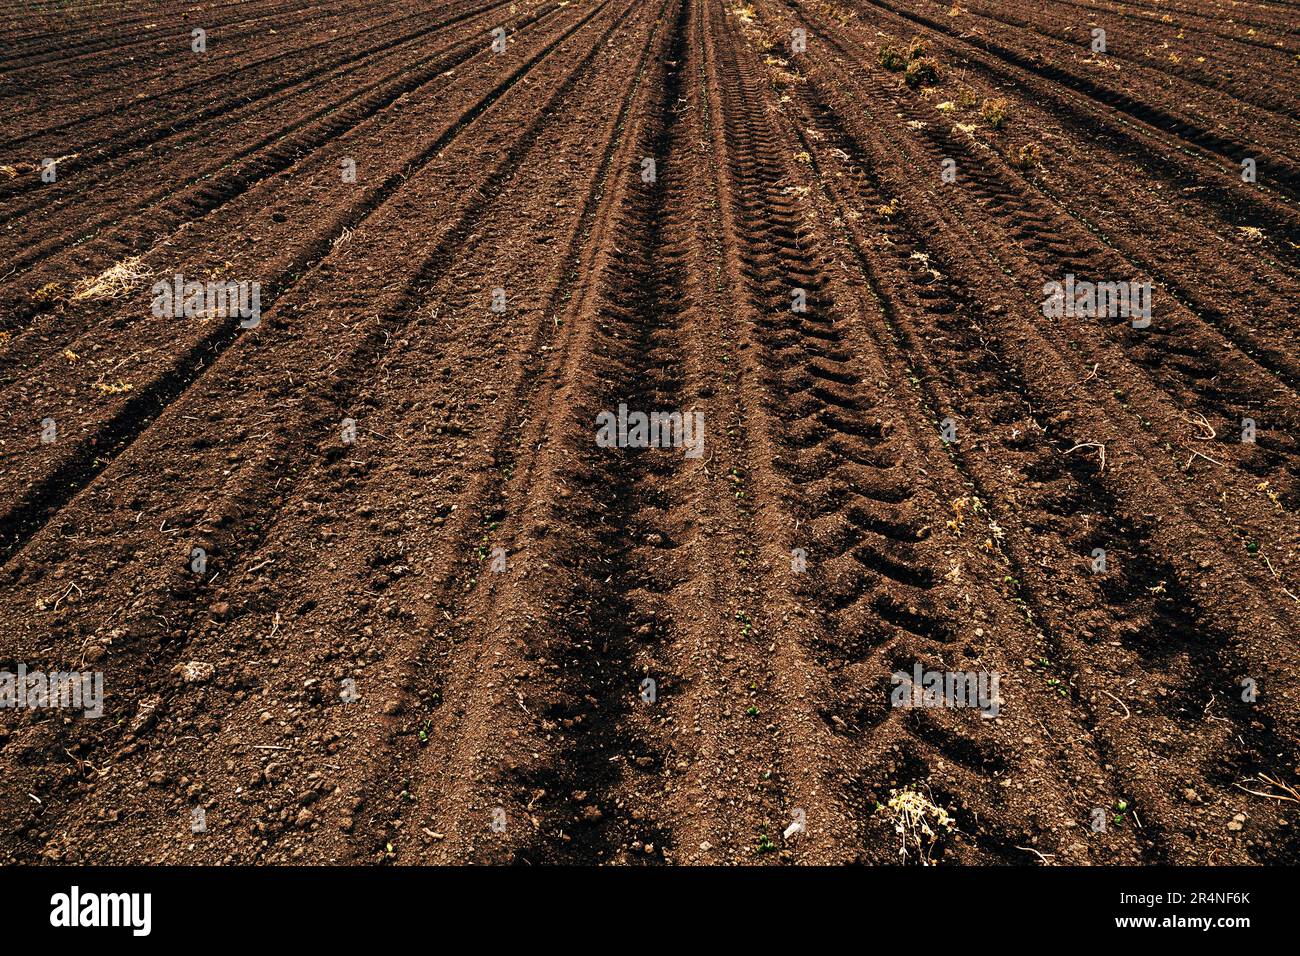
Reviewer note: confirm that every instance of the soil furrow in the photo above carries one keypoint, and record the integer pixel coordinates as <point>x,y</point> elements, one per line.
<point>1035,417</point>
<point>72,463</point>
<point>591,432</point>
<point>232,537</point>
<point>1169,121</point>
<point>197,191</point>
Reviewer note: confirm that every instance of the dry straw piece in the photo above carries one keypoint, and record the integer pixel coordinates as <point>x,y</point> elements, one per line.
<point>113,283</point>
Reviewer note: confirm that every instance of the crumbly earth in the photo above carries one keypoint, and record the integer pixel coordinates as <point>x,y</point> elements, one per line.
<point>362,584</point>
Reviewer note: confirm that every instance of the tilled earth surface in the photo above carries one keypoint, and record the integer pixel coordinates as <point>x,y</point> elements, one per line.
<point>430,603</point>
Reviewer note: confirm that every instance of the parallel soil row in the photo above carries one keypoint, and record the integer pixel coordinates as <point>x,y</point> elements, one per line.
<point>367,584</point>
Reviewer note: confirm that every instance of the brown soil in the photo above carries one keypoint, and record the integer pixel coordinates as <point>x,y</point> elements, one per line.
<point>499,715</point>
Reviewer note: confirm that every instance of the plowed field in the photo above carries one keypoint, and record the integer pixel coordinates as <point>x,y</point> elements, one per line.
<point>369,578</point>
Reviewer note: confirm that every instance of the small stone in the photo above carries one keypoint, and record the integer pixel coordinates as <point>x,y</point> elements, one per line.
<point>194,672</point>
<point>145,715</point>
